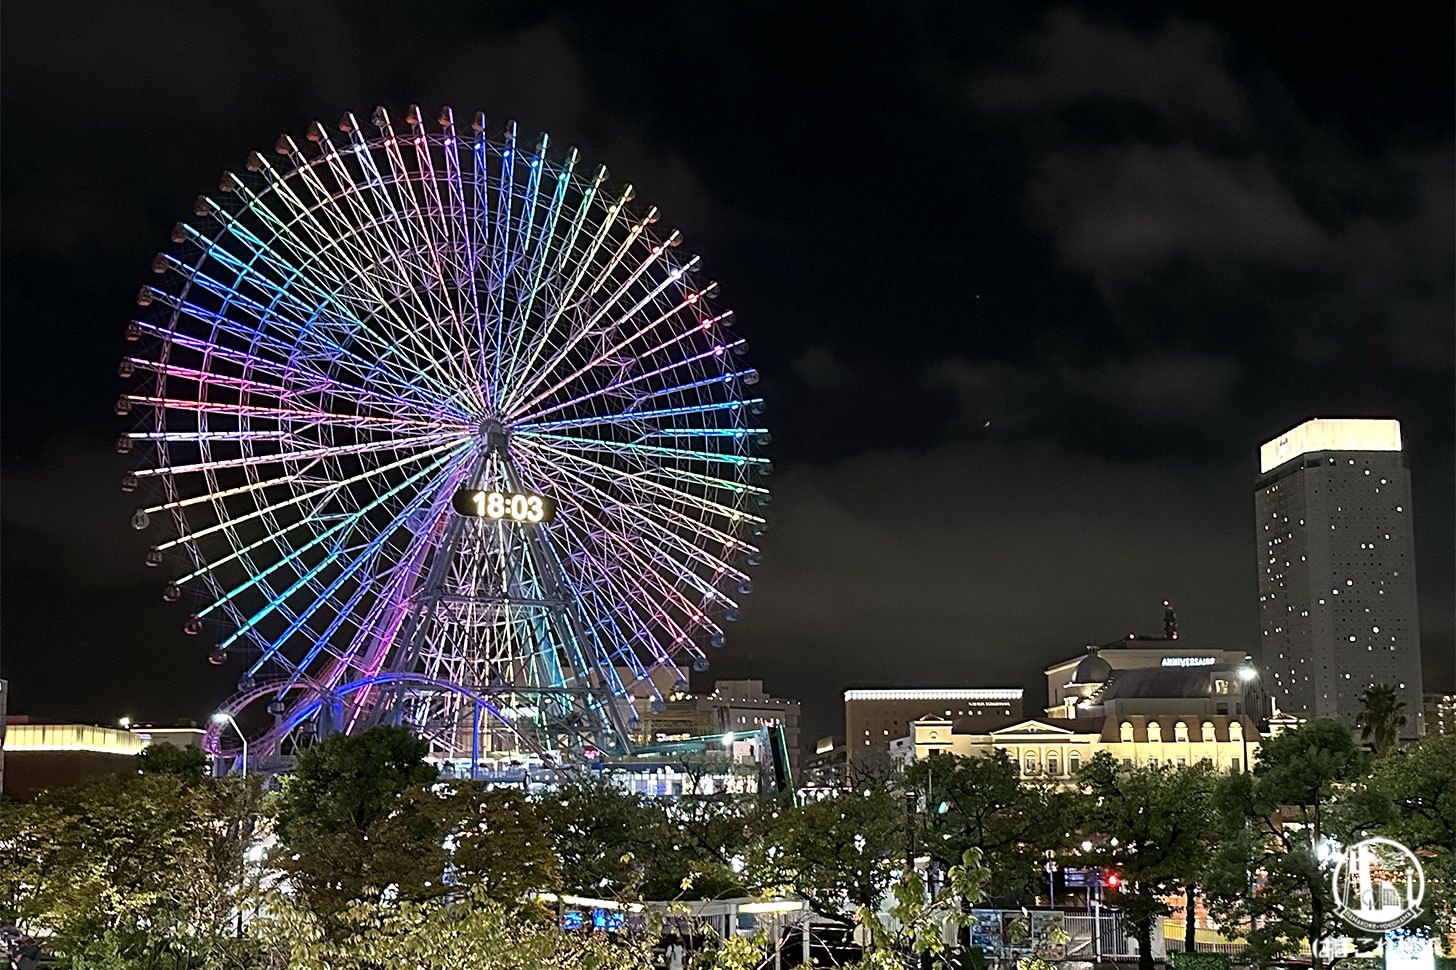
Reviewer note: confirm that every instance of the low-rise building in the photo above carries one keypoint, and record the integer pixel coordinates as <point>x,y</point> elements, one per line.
<point>54,755</point>
<point>874,718</point>
<point>177,735</point>
<point>742,705</point>
<point>1055,749</point>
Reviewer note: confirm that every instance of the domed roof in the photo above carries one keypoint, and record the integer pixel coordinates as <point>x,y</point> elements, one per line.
<point>1092,670</point>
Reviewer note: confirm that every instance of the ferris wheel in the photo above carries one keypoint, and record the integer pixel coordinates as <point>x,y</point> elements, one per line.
<point>435,428</point>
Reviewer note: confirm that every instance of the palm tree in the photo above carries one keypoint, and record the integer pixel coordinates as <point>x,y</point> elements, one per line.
<point>1381,720</point>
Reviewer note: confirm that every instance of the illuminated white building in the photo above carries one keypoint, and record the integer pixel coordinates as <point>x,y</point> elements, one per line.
<point>1055,749</point>
<point>1337,590</point>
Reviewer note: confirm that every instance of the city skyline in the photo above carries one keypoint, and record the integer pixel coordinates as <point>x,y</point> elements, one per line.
<point>1017,374</point>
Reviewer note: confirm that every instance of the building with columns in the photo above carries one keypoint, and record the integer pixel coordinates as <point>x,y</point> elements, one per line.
<point>1055,749</point>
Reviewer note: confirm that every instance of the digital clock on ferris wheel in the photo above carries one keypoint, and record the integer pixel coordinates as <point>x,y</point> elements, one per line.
<point>512,506</point>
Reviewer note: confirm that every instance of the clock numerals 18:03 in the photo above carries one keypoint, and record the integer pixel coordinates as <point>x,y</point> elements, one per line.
<point>516,506</point>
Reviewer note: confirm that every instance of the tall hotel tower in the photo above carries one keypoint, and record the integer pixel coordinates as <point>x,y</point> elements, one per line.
<point>1337,584</point>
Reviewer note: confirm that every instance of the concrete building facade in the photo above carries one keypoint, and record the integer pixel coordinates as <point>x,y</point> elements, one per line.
<point>1337,585</point>
<point>874,718</point>
<point>741,705</point>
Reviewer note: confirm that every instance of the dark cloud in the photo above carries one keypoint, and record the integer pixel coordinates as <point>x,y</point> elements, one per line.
<point>1222,200</point>
<point>981,563</point>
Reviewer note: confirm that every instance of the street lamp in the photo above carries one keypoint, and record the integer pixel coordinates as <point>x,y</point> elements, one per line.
<point>1248,674</point>
<point>224,717</point>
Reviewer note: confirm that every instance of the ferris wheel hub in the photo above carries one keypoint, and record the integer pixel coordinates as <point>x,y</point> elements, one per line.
<point>494,434</point>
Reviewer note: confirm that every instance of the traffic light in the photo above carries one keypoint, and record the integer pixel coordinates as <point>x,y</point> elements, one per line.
<point>1111,879</point>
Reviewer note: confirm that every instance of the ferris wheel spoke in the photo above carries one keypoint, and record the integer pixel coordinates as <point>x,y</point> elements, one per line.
<point>540,253</point>
<point>427,236</point>
<point>320,493</point>
<point>335,249</point>
<point>353,310</point>
<point>617,387</point>
<point>341,615</point>
<point>636,450</point>
<point>526,220</point>
<point>319,345</point>
<point>710,534</point>
<point>628,601</point>
<point>630,417</point>
<point>689,551</point>
<point>612,353</point>
<point>618,478</point>
<point>314,380</point>
<point>499,232</point>
<point>214,381</point>
<point>656,594</point>
<point>629,549</point>
<point>588,326</point>
<point>382,621</point>
<point>334,418</point>
<point>428,324</point>
<point>561,302</point>
<point>463,223</point>
<point>550,261</point>
<point>359,560</point>
<point>683,476</point>
<point>623,603</point>
<point>298,313</point>
<point>288,458</point>
<point>339,529</point>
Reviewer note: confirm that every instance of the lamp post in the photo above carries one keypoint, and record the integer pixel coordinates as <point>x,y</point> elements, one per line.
<point>223,716</point>
<point>1248,674</point>
<point>910,799</point>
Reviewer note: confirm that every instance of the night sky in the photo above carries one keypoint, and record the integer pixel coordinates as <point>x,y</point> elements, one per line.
<point>1027,285</point>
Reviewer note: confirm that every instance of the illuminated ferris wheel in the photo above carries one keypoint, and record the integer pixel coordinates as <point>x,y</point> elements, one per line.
<point>439,429</point>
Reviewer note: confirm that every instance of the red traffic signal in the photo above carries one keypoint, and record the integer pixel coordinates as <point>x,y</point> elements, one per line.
<point>1111,879</point>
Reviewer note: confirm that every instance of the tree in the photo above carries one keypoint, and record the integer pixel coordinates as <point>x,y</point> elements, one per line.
<point>609,841</point>
<point>1381,717</point>
<point>1162,821</point>
<point>134,870</point>
<point>471,932</point>
<point>1275,826</point>
<point>348,830</point>
<point>839,853</point>
<point>498,848</point>
<point>914,925</point>
<point>1410,796</point>
<point>981,803</point>
<point>165,759</point>
<point>707,837</point>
